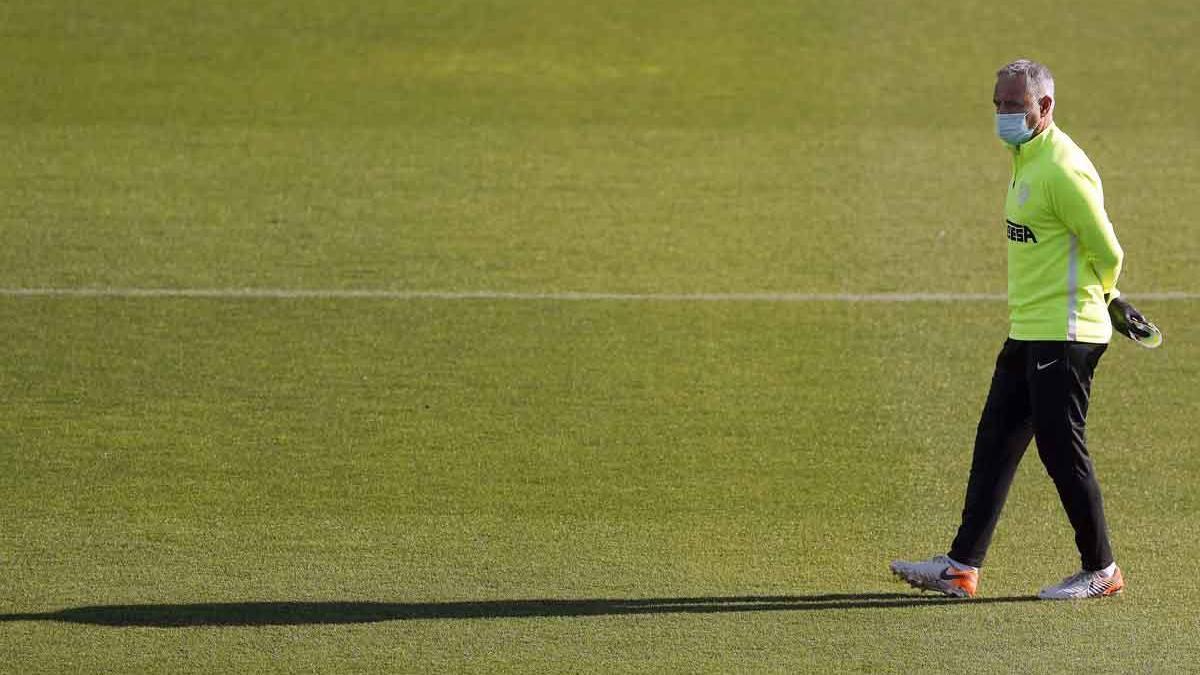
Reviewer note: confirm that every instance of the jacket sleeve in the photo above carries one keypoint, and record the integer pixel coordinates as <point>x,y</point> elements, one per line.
<point>1078,200</point>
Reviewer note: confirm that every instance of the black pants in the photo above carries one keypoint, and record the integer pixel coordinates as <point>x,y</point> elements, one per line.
<point>1039,390</point>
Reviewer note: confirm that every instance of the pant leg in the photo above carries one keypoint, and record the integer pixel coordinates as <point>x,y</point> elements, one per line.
<point>1060,377</point>
<point>1004,431</point>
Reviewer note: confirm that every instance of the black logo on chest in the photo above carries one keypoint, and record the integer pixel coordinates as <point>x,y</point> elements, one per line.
<point>1020,233</point>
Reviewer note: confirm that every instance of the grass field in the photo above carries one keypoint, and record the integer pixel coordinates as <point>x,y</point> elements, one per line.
<point>336,484</point>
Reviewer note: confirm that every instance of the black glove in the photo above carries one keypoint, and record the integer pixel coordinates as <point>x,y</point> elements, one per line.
<point>1127,321</point>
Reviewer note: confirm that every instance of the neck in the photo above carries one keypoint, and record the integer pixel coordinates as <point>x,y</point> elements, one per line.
<point>1043,124</point>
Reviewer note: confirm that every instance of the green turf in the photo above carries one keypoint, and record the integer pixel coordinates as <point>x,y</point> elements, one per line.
<point>208,485</point>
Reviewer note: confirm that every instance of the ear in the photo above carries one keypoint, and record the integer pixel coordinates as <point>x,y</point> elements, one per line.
<point>1046,105</point>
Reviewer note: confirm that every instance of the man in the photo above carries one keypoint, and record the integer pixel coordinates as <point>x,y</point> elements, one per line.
<point>1063,264</point>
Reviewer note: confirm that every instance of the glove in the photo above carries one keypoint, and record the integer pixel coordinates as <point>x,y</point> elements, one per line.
<point>1127,321</point>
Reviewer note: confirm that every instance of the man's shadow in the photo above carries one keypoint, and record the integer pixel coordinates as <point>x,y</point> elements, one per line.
<point>334,612</point>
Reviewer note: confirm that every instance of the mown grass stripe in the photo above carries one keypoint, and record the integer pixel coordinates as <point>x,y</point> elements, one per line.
<point>383,294</point>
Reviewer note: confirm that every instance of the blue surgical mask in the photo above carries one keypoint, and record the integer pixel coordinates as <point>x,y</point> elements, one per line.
<point>1011,128</point>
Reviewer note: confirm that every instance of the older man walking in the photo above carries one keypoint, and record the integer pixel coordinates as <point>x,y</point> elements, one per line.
<point>1063,265</point>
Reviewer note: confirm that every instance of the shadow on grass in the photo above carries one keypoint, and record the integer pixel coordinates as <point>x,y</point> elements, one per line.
<point>308,613</point>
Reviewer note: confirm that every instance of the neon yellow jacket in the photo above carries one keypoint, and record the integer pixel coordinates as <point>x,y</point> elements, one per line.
<point>1063,255</point>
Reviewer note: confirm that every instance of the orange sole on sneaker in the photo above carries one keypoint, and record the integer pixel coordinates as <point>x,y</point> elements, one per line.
<point>964,581</point>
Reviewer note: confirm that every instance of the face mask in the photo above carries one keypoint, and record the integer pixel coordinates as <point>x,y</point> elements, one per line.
<point>1011,128</point>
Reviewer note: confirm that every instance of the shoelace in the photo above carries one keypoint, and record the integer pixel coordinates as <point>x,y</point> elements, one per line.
<point>1078,576</point>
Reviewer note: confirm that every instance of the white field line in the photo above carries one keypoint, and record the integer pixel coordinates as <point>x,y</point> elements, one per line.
<point>352,294</point>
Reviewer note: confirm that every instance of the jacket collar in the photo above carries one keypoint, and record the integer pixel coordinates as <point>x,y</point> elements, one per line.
<point>1036,144</point>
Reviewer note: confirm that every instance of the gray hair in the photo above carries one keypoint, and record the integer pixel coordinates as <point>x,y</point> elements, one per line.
<point>1038,80</point>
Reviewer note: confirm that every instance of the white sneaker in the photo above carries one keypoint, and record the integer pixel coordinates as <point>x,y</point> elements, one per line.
<point>1085,585</point>
<point>937,574</point>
